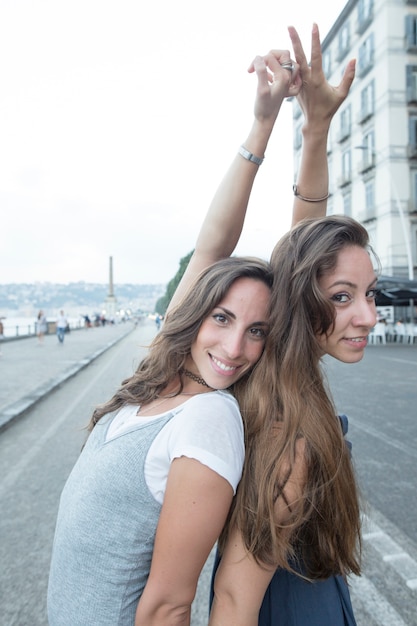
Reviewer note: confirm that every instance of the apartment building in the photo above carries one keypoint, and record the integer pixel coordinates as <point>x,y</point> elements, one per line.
<point>372,146</point>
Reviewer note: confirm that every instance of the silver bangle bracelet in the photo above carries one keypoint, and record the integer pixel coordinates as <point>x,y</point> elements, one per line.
<point>249,156</point>
<point>298,195</point>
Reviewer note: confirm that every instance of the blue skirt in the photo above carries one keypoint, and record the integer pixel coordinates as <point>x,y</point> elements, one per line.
<point>292,601</point>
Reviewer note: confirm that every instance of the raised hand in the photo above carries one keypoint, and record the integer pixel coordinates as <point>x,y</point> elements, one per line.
<point>318,99</point>
<point>275,82</point>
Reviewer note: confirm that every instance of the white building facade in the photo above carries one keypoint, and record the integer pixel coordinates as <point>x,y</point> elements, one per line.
<point>372,148</point>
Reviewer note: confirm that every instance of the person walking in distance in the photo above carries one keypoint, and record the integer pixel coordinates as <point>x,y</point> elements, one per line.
<point>61,327</point>
<point>41,326</point>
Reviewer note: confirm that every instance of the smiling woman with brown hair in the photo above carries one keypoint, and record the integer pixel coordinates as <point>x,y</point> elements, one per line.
<point>296,517</point>
<point>151,490</point>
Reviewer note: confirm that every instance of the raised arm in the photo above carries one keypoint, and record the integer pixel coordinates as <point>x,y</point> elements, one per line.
<point>223,223</point>
<point>319,102</point>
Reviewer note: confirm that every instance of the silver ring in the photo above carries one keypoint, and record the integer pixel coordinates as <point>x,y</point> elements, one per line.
<point>288,66</point>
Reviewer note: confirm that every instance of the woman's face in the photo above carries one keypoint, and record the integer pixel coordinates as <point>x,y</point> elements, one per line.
<point>231,339</point>
<point>351,287</point>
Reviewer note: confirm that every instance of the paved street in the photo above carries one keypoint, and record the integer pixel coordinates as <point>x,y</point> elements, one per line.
<point>29,370</point>
<point>39,447</point>
<point>379,395</point>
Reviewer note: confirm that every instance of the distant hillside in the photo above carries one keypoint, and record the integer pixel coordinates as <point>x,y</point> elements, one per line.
<point>75,298</point>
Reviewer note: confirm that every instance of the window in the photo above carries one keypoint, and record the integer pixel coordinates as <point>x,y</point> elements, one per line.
<point>412,139</point>
<point>345,123</point>
<point>346,164</point>
<point>366,55</point>
<point>347,204</point>
<point>367,102</point>
<point>344,41</point>
<point>411,73</point>
<point>346,167</point>
<point>365,10</point>
<point>368,152</point>
<point>298,138</point>
<point>368,142</point>
<point>370,199</point>
<point>413,199</point>
<point>411,31</point>
<point>327,64</point>
<point>368,212</point>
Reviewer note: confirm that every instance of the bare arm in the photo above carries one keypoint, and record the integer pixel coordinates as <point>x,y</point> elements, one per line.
<point>195,508</point>
<point>240,583</point>
<point>319,102</point>
<point>223,224</point>
<point>239,586</point>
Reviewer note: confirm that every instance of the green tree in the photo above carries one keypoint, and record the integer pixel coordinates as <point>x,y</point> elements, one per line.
<point>163,302</point>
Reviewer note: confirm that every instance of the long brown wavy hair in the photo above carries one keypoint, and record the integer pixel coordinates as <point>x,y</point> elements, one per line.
<point>287,400</point>
<point>172,345</point>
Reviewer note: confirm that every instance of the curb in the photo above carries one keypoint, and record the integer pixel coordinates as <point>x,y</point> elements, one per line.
<point>20,407</point>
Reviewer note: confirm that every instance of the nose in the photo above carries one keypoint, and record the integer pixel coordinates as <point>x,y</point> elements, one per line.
<point>365,313</point>
<point>233,345</point>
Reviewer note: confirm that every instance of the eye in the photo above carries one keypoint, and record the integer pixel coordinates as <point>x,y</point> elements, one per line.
<point>220,318</point>
<point>258,333</point>
<point>372,294</point>
<point>340,298</point>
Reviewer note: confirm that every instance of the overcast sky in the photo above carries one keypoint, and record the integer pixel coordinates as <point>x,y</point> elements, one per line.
<point>118,120</point>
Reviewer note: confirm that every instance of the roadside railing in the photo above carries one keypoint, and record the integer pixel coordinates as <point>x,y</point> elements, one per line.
<point>23,331</point>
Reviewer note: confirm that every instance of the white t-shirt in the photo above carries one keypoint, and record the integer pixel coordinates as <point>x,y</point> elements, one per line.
<point>207,427</point>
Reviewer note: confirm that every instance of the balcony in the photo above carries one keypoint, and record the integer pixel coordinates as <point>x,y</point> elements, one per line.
<point>412,151</point>
<point>365,65</point>
<point>342,51</point>
<point>343,134</point>
<point>344,180</point>
<point>368,215</point>
<point>366,164</point>
<point>364,114</point>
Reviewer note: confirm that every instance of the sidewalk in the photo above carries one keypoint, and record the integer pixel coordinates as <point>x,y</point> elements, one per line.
<point>30,370</point>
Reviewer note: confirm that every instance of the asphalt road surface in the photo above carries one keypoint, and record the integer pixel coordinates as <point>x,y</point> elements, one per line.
<point>379,395</point>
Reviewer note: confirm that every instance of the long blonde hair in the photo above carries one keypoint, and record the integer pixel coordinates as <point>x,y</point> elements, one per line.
<point>286,400</point>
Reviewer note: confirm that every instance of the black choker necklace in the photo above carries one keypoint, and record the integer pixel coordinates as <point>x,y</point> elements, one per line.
<point>194,377</point>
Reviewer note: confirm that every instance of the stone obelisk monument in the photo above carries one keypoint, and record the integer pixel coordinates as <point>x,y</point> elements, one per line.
<point>110,302</point>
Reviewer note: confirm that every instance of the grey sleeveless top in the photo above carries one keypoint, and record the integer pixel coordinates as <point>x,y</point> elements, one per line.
<point>96,578</point>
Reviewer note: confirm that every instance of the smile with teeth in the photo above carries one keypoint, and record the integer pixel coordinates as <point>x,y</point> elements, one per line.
<point>223,366</point>
<point>358,339</point>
